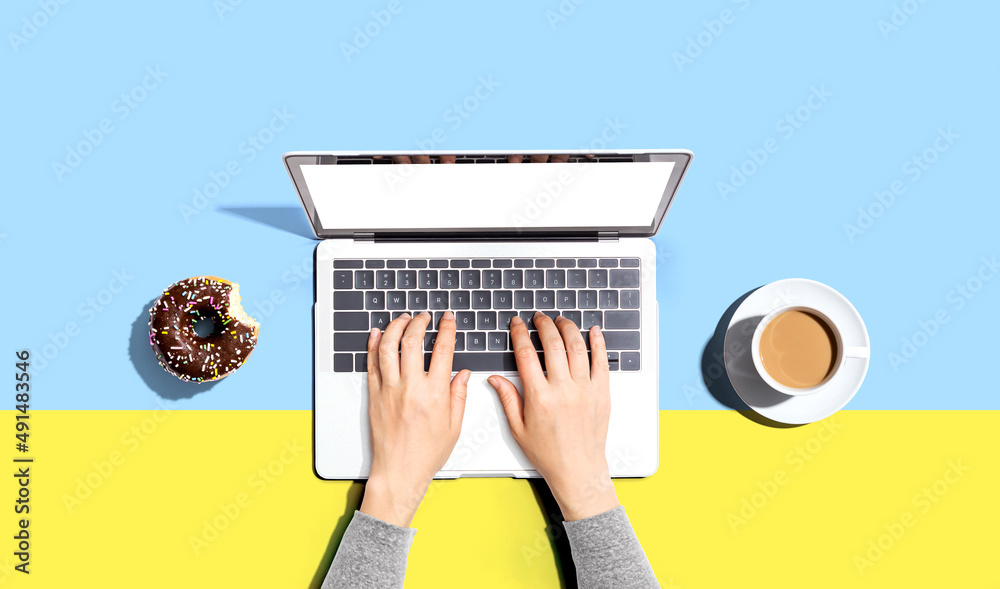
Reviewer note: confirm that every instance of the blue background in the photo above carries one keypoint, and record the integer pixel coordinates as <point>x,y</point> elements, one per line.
<point>61,239</point>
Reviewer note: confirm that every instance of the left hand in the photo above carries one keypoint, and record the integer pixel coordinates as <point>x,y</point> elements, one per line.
<point>415,417</point>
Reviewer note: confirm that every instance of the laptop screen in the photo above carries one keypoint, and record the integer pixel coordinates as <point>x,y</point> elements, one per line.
<point>496,195</point>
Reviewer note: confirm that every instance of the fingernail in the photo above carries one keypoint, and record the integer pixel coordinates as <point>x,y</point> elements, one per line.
<point>425,314</point>
<point>492,380</point>
<point>515,320</point>
<point>465,379</point>
<point>373,332</point>
<point>404,316</point>
<point>448,315</point>
<point>596,329</point>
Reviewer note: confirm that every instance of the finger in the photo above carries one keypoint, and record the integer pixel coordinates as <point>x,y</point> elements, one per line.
<point>513,403</point>
<point>560,159</point>
<point>576,349</point>
<point>599,366</point>
<point>515,159</point>
<point>524,354</point>
<point>539,158</point>
<point>421,159</point>
<point>412,345</point>
<point>374,376</point>
<point>388,348</point>
<point>446,159</point>
<point>552,345</point>
<point>444,347</point>
<point>401,159</point>
<point>459,393</point>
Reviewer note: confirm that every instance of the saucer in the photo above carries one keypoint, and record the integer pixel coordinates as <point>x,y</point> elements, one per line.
<point>760,396</point>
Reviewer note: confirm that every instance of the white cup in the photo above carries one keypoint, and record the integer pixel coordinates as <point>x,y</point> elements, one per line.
<point>843,351</point>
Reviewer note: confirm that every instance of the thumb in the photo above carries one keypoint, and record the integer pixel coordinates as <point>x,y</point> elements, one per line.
<point>459,392</point>
<point>513,404</point>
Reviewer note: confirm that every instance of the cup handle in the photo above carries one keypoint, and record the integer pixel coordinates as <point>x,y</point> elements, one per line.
<point>857,352</point>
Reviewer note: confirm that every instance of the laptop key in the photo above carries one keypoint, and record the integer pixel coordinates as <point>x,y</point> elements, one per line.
<point>528,318</point>
<point>375,300</point>
<point>545,263</point>
<point>437,299</point>
<point>436,320</point>
<point>465,320</point>
<point>587,263</point>
<point>470,279</point>
<point>460,299</point>
<point>416,300</point>
<point>427,279</point>
<point>630,361</point>
<point>459,342</point>
<point>429,338</point>
<point>396,314</point>
<point>380,319</point>
<point>342,279</point>
<point>503,299</point>
<point>524,299</point>
<point>374,263</point>
<point>486,320</point>
<point>348,321</point>
<point>630,262</point>
<point>621,340</point>
<point>460,263</point>
<point>364,279</point>
<point>417,263</point>
<point>534,278</point>
<point>624,278</point>
<point>348,264</point>
<point>350,342</point>
<point>349,300</point>
<point>492,278</point>
<point>555,279</point>
<point>551,314</point>
<point>565,263</point>
<point>505,263</point>
<point>545,299</point>
<point>475,341</point>
<point>608,263</point>
<point>489,362</point>
<point>439,263</point>
<point>450,279</point>
<point>566,299</point>
<point>597,278</point>
<point>481,263</point>
<point>481,299</point>
<point>612,361</point>
<point>496,341</point>
<point>395,264</point>
<point>592,318</point>
<point>576,278</point>
<point>536,340</point>
<point>575,316</point>
<point>504,318</point>
<point>513,279</point>
<point>406,278</point>
<point>361,362</point>
<point>587,299</point>
<point>629,299</point>
<point>385,279</point>
<point>608,299</point>
<point>343,362</point>
<point>621,320</point>
<point>395,300</point>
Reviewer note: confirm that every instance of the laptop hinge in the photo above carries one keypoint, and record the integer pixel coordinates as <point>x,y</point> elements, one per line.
<point>607,236</point>
<point>364,237</point>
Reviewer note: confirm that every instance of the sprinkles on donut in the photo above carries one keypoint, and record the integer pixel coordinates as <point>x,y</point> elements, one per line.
<point>187,355</point>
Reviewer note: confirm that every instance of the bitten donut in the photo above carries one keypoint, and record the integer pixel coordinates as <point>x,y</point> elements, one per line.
<point>184,353</point>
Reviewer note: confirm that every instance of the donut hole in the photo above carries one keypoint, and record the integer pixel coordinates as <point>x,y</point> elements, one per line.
<point>205,327</point>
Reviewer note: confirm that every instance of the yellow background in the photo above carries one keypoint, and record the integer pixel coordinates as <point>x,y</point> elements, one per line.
<point>862,473</point>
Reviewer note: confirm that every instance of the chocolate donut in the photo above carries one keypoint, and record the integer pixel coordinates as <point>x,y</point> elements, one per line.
<point>184,353</point>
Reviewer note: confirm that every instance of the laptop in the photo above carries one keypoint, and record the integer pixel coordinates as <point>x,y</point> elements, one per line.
<point>487,235</point>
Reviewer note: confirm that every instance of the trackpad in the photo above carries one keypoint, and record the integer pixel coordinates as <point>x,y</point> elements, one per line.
<point>486,443</point>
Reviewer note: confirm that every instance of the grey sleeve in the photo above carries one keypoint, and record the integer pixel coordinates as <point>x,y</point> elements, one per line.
<point>607,553</point>
<point>372,553</point>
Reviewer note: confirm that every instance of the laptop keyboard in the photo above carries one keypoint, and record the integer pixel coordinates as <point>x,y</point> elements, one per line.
<point>484,294</point>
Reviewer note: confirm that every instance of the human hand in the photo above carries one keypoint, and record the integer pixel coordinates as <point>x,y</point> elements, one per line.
<point>561,423</point>
<point>415,417</point>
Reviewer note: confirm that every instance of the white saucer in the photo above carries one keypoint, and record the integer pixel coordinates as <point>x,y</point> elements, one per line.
<point>751,387</point>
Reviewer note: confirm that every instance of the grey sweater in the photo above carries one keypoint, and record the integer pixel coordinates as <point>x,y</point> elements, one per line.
<point>605,550</point>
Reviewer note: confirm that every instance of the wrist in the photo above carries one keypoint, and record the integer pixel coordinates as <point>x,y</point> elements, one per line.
<point>586,497</point>
<point>392,501</point>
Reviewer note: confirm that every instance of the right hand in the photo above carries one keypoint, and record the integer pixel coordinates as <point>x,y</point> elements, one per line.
<point>561,423</point>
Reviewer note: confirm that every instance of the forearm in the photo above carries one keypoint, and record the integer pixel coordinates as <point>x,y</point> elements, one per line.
<point>372,554</point>
<point>607,553</point>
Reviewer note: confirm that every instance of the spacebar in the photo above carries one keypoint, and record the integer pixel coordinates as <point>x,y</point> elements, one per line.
<point>483,362</point>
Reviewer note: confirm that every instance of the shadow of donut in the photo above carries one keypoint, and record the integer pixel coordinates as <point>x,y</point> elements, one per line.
<point>156,378</point>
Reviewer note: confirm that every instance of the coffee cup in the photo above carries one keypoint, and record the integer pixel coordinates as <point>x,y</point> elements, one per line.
<point>797,350</point>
